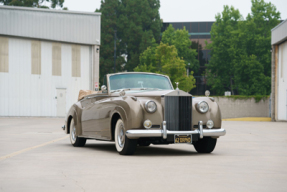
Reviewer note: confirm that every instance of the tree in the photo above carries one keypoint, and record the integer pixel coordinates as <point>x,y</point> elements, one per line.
<point>33,3</point>
<point>164,59</point>
<point>249,76</point>
<point>137,22</point>
<point>110,10</point>
<point>220,70</point>
<point>180,39</point>
<point>240,55</point>
<point>259,22</point>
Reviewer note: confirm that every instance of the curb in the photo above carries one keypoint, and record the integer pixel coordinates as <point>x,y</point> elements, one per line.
<point>266,119</point>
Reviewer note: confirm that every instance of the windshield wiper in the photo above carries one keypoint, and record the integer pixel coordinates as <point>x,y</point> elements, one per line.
<point>118,90</point>
<point>150,88</point>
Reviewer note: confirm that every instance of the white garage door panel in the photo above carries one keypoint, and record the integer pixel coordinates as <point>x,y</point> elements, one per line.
<point>19,73</point>
<point>4,86</point>
<point>24,94</point>
<point>61,102</point>
<point>282,82</point>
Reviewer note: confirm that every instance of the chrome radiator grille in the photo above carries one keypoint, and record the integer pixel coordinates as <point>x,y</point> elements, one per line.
<point>178,113</point>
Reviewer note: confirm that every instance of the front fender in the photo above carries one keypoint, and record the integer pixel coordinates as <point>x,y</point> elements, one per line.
<point>129,110</point>
<point>213,113</point>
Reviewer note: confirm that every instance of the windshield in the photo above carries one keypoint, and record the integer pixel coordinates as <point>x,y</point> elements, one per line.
<point>141,81</point>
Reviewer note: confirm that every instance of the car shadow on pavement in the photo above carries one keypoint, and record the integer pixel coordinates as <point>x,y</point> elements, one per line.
<point>153,150</point>
<point>160,151</point>
<point>108,147</point>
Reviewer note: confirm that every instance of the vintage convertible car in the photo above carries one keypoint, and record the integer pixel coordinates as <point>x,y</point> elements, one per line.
<point>142,109</point>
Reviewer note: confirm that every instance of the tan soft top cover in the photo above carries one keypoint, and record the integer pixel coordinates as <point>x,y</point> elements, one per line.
<point>84,93</point>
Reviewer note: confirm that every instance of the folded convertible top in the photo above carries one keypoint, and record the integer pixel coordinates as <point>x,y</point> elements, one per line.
<point>84,93</point>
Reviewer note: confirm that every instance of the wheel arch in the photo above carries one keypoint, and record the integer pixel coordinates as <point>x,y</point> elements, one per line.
<point>115,117</point>
<point>74,114</point>
<point>69,123</point>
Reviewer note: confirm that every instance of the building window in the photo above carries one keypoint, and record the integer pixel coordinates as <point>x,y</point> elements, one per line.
<point>36,57</point>
<point>76,61</point>
<point>56,59</point>
<point>4,56</point>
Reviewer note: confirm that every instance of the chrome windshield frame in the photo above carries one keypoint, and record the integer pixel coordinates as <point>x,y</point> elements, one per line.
<point>109,75</point>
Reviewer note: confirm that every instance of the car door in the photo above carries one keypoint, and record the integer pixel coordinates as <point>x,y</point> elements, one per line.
<point>96,117</point>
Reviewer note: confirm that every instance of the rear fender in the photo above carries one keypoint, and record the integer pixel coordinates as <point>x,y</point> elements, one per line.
<point>75,114</point>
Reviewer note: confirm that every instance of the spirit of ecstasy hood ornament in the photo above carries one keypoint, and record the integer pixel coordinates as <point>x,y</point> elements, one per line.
<point>177,85</point>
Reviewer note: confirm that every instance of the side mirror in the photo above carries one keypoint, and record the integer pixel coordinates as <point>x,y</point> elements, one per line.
<point>103,88</point>
<point>122,93</point>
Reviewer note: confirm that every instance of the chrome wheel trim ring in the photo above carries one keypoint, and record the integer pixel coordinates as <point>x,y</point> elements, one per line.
<point>74,134</point>
<point>121,136</point>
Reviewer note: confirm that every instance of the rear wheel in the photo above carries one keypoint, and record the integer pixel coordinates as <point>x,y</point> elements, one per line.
<point>75,140</point>
<point>124,145</point>
<point>205,145</point>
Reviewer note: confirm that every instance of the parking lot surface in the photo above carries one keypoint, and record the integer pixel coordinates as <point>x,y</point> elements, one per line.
<point>36,155</point>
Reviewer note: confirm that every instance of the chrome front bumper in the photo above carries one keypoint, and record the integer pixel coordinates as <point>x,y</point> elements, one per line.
<point>134,134</point>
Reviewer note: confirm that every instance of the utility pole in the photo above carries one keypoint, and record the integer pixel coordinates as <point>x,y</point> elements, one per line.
<point>188,69</point>
<point>115,50</point>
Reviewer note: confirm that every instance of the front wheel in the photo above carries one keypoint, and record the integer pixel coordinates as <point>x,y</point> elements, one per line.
<point>205,145</point>
<point>75,140</point>
<point>124,145</point>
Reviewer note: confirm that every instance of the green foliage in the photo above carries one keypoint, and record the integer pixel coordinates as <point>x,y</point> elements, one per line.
<point>164,59</point>
<point>257,29</point>
<point>180,39</point>
<point>137,22</point>
<point>249,77</point>
<point>220,68</point>
<point>171,57</point>
<point>33,3</point>
<point>109,23</point>
<point>240,55</point>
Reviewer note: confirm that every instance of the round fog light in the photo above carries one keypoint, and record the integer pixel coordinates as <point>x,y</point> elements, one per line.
<point>147,124</point>
<point>209,124</point>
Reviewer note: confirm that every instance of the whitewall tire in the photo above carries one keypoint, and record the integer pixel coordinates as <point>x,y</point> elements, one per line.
<point>124,145</point>
<point>75,140</point>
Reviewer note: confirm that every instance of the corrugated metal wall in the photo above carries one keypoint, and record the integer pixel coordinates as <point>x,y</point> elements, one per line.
<point>55,25</point>
<point>26,94</point>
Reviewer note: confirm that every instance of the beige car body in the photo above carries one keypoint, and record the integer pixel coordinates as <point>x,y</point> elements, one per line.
<point>96,114</point>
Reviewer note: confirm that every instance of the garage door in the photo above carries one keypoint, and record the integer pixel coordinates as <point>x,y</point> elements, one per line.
<point>282,82</point>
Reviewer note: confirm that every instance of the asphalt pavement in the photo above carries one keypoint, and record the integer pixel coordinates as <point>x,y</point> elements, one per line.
<point>36,155</point>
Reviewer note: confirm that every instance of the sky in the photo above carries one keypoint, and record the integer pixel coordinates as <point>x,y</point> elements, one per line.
<point>186,10</point>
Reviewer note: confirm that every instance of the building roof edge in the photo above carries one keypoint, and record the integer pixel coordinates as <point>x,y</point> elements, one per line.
<point>279,25</point>
<point>49,10</point>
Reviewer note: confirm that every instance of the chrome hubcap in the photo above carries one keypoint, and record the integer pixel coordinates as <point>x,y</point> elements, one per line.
<point>121,136</point>
<point>74,133</point>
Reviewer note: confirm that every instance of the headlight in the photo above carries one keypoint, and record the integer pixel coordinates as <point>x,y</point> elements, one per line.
<point>202,107</point>
<point>150,106</point>
<point>209,124</point>
<point>147,124</point>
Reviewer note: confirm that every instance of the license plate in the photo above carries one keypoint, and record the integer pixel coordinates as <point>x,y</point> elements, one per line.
<point>182,138</point>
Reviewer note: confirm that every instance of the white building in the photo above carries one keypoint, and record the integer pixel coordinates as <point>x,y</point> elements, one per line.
<point>46,57</point>
<point>279,72</point>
